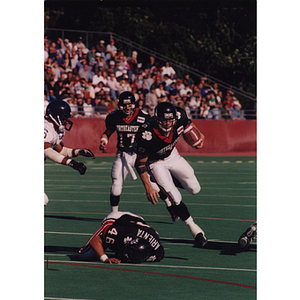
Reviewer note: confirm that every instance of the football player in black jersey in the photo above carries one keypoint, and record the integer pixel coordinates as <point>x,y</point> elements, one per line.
<point>126,122</point>
<point>127,235</point>
<point>158,156</point>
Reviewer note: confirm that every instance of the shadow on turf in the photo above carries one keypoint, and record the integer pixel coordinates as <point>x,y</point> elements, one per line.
<point>223,247</point>
<point>74,218</point>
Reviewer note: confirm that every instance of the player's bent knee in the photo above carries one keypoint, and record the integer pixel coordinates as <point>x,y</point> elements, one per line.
<point>194,188</point>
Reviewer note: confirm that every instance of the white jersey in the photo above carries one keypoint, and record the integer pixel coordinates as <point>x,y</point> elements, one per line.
<point>51,135</point>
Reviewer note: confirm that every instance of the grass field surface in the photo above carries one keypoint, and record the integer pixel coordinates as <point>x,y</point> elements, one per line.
<point>224,208</point>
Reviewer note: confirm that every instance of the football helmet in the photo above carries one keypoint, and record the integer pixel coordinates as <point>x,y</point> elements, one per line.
<point>59,112</point>
<point>124,99</point>
<point>166,116</point>
<point>137,250</point>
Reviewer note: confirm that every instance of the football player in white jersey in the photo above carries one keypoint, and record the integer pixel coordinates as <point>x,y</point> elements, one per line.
<point>56,122</point>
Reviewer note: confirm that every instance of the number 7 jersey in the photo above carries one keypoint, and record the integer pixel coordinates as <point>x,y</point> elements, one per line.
<point>126,127</point>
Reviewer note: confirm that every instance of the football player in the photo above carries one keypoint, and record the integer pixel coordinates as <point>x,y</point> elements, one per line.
<point>56,122</point>
<point>126,122</point>
<point>158,156</point>
<point>126,234</point>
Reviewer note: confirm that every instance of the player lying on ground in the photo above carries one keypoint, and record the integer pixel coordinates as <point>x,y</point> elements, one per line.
<point>127,235</point>
<point>158,156</point>
<point>56,122</point>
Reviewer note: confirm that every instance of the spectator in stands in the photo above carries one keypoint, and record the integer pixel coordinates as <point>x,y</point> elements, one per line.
<point>80,44</point>
<point>59,59</point>
<point>85,72</point>
<point>51,97</point>
<point>151,64</point>
<point>167,69</point>
<point>204,109</point>
<point>114,86</point>
<point>88,108</point>
<point>48,74</point>
<point>80,102</point>
<point>186,89</point>
<point>189,80</point>
<point>151,101</point>
<point>111,50</point>
<point>194,105</point>
<point>226,112</point>
<point>97,78</point>
<point>68,45</point>
<point>74,59</point>
<point>100,48</point>
<point>67,65</point>
<point>56,70</point>
<point>214,106</point>
<point>236,113</point>
<point>58,89</point>
<point>100,109</point>
<point>133,66</point>
<point>160,92</point>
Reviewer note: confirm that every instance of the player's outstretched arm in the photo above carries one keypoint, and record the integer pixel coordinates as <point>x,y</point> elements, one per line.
<point>141,168</point>
<point>56,156</point>
<point>96,243</point>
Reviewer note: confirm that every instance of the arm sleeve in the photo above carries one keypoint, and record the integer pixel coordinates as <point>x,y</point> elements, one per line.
<point>54,155</point>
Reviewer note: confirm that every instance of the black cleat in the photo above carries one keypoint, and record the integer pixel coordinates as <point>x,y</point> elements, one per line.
<point>173,214</point>
<point>200,240</point>
<point>247,237</point>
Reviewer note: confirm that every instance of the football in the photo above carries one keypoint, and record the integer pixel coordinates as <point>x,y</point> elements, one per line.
<point>193,136</point>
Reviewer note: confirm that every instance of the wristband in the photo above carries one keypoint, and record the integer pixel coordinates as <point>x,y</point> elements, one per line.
<point>104,139</point>
<point>103,257</point>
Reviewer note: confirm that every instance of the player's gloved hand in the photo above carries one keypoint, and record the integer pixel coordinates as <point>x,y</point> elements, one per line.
<point>86,152</point>
<point>77,165</point>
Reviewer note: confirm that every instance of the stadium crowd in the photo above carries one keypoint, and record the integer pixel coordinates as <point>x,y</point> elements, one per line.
<point>90,80</point>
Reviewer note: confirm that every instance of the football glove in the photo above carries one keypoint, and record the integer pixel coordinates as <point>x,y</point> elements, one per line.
<point>77,165</point>
<point>86,152</point>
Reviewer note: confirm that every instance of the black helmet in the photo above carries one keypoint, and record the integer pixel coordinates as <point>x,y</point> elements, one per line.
<point>137,251</point>
<point>124,99</point>
<point>58,112</point>
<point>165,111</point>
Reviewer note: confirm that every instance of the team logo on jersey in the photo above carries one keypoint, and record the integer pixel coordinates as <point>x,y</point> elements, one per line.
<point>140,120</point>
<point>147,135</point>
<point>127,240</point>
<point>180,130</point>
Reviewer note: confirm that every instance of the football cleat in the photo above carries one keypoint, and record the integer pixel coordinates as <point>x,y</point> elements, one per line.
<point>200,240</point>
<point>247,237</point>
<point>173,214</point>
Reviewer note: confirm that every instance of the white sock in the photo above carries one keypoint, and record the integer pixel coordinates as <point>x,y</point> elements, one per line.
<point>193,227</point>
<point>114,208</point>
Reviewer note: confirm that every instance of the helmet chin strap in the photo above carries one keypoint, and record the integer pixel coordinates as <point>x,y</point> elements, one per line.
<point>58,124</point>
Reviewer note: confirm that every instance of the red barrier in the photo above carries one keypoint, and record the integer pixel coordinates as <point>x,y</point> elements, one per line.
<point>221,137</point>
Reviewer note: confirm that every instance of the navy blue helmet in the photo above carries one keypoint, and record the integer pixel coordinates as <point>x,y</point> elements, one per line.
<point>59,112</point>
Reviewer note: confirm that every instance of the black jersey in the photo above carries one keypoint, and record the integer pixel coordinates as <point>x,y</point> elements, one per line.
<point>126,127</point>
<point>116,233</point>
<point>150,142</point>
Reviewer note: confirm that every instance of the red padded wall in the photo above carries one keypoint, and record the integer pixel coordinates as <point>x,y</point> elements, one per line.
<point>221,137</point>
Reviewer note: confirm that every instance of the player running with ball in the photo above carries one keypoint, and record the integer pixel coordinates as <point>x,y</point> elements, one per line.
<point>158,156</point>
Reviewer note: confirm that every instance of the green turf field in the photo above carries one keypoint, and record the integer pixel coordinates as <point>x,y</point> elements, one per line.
<point>224,208</point>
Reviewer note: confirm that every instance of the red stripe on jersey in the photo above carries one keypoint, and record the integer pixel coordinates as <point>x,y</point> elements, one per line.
<point>136,111</point>
<point>103,229</point>
<point>164,138</point>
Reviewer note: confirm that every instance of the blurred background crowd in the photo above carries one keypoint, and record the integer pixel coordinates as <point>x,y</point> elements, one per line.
<point>90,80</point>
